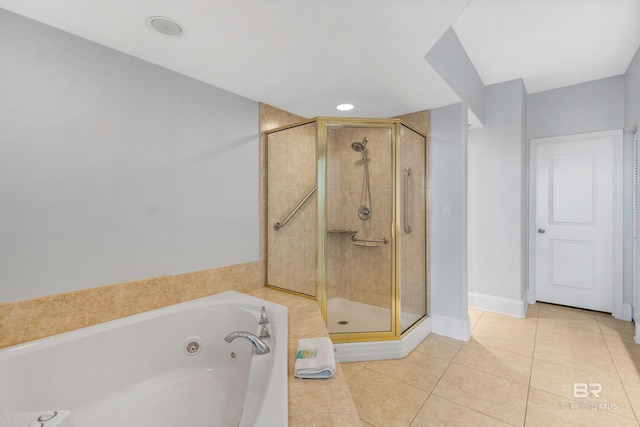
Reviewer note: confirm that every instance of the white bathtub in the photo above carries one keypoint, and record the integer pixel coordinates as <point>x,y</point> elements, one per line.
<point>136,371</point>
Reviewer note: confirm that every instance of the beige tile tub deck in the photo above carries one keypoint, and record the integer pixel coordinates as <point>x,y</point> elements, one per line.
<point>323,402</point>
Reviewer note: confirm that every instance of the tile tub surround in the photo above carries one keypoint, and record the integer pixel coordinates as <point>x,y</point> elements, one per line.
<point>325,402</point>
<point>28,320</point>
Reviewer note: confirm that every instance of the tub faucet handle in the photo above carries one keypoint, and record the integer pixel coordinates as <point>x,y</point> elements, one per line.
<point>264,320</point>
<point>264,332</point>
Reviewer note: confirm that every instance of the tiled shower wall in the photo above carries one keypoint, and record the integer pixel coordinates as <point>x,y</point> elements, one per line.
<point>27,320</point>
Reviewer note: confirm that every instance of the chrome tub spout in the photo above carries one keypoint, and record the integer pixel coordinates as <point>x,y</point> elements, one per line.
<point>258,345</point>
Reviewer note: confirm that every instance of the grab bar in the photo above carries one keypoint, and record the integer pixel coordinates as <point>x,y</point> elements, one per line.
<point>278,225</point>
<point>383,240</point>
<point>407,174</point>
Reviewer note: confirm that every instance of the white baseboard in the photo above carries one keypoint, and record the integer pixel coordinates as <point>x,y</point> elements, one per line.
<point>459,329</point>
<point>627,312</point>
<point>382,350</point>
<point>511,307</point>
<point>531,297</point>
<point>637,337</point>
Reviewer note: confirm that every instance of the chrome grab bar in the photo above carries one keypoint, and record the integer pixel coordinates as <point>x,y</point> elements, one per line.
<point>383,240</point>
<point>407,174</point>
<point>278,225</point>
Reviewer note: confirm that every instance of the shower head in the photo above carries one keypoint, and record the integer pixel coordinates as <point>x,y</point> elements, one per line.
<point>359,146</point>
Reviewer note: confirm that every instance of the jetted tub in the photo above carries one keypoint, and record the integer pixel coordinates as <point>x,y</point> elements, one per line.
<point>168,367</point>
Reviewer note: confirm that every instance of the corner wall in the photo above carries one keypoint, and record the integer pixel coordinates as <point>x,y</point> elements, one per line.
<point>448,250</point>
<point>497,202</point>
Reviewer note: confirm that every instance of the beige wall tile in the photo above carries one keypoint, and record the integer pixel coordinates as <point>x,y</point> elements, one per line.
<point>28,320</point>
<point>419,120</point>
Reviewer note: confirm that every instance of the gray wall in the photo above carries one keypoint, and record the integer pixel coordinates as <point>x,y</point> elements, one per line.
<point>497,195</point>
<point>113,169</point>
<point>587,107</point>
<point>632,101</point>
<point>449,234</point>
<point>450,60</point>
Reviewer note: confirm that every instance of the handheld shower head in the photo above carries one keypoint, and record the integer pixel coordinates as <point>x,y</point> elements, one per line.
<point>359,146</point>
<point>364,211</point>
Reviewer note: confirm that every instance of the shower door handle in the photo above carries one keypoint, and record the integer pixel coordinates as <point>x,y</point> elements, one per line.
<point>407,173</point>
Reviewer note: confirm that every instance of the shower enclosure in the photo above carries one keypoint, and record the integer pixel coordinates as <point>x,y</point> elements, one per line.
<point>347,222</point>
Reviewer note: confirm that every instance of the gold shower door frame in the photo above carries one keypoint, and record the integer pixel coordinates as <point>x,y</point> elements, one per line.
<point>394,125</point>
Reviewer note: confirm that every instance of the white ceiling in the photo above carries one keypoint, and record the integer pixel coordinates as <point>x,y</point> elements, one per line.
<point>306,57</point>
<point>549,43</point>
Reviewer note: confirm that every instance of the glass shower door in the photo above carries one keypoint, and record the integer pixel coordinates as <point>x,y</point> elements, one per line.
<point>292,209</point>
<point>413,227</point>
<point>359,218</point>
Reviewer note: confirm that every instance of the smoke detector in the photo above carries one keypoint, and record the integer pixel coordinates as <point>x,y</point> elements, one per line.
<point>164,26</point>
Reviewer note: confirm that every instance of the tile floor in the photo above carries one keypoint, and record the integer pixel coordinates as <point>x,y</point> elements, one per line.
<point>518,372</point>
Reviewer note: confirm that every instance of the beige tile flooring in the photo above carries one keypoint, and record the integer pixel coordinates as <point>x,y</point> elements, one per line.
<point>518,372</point>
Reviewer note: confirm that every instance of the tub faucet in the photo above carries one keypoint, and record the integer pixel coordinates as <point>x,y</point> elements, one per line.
<point>264,321</point>
<point>258,345</point>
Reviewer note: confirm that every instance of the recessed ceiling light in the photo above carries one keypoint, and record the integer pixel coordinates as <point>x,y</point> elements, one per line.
<point>344,107</point>
<point>165,26</point>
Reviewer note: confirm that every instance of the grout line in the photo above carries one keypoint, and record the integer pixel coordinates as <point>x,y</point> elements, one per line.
<point>579,401</point>
<point>617,372</point>
<point>437,382</point>
<point>533,353</point>
<point>474,410</point>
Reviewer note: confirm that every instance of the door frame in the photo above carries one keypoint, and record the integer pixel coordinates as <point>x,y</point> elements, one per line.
<point>617,303</point>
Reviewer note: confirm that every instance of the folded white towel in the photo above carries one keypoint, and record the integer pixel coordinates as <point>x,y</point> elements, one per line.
<point>315,358</point>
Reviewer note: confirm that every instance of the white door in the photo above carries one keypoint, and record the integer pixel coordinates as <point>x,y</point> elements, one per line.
<point>575,200</point>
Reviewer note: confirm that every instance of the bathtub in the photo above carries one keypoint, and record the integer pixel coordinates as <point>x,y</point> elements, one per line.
<point>168,367</point>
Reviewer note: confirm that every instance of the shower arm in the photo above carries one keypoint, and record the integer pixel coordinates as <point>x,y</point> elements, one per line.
<point>278,225</point>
